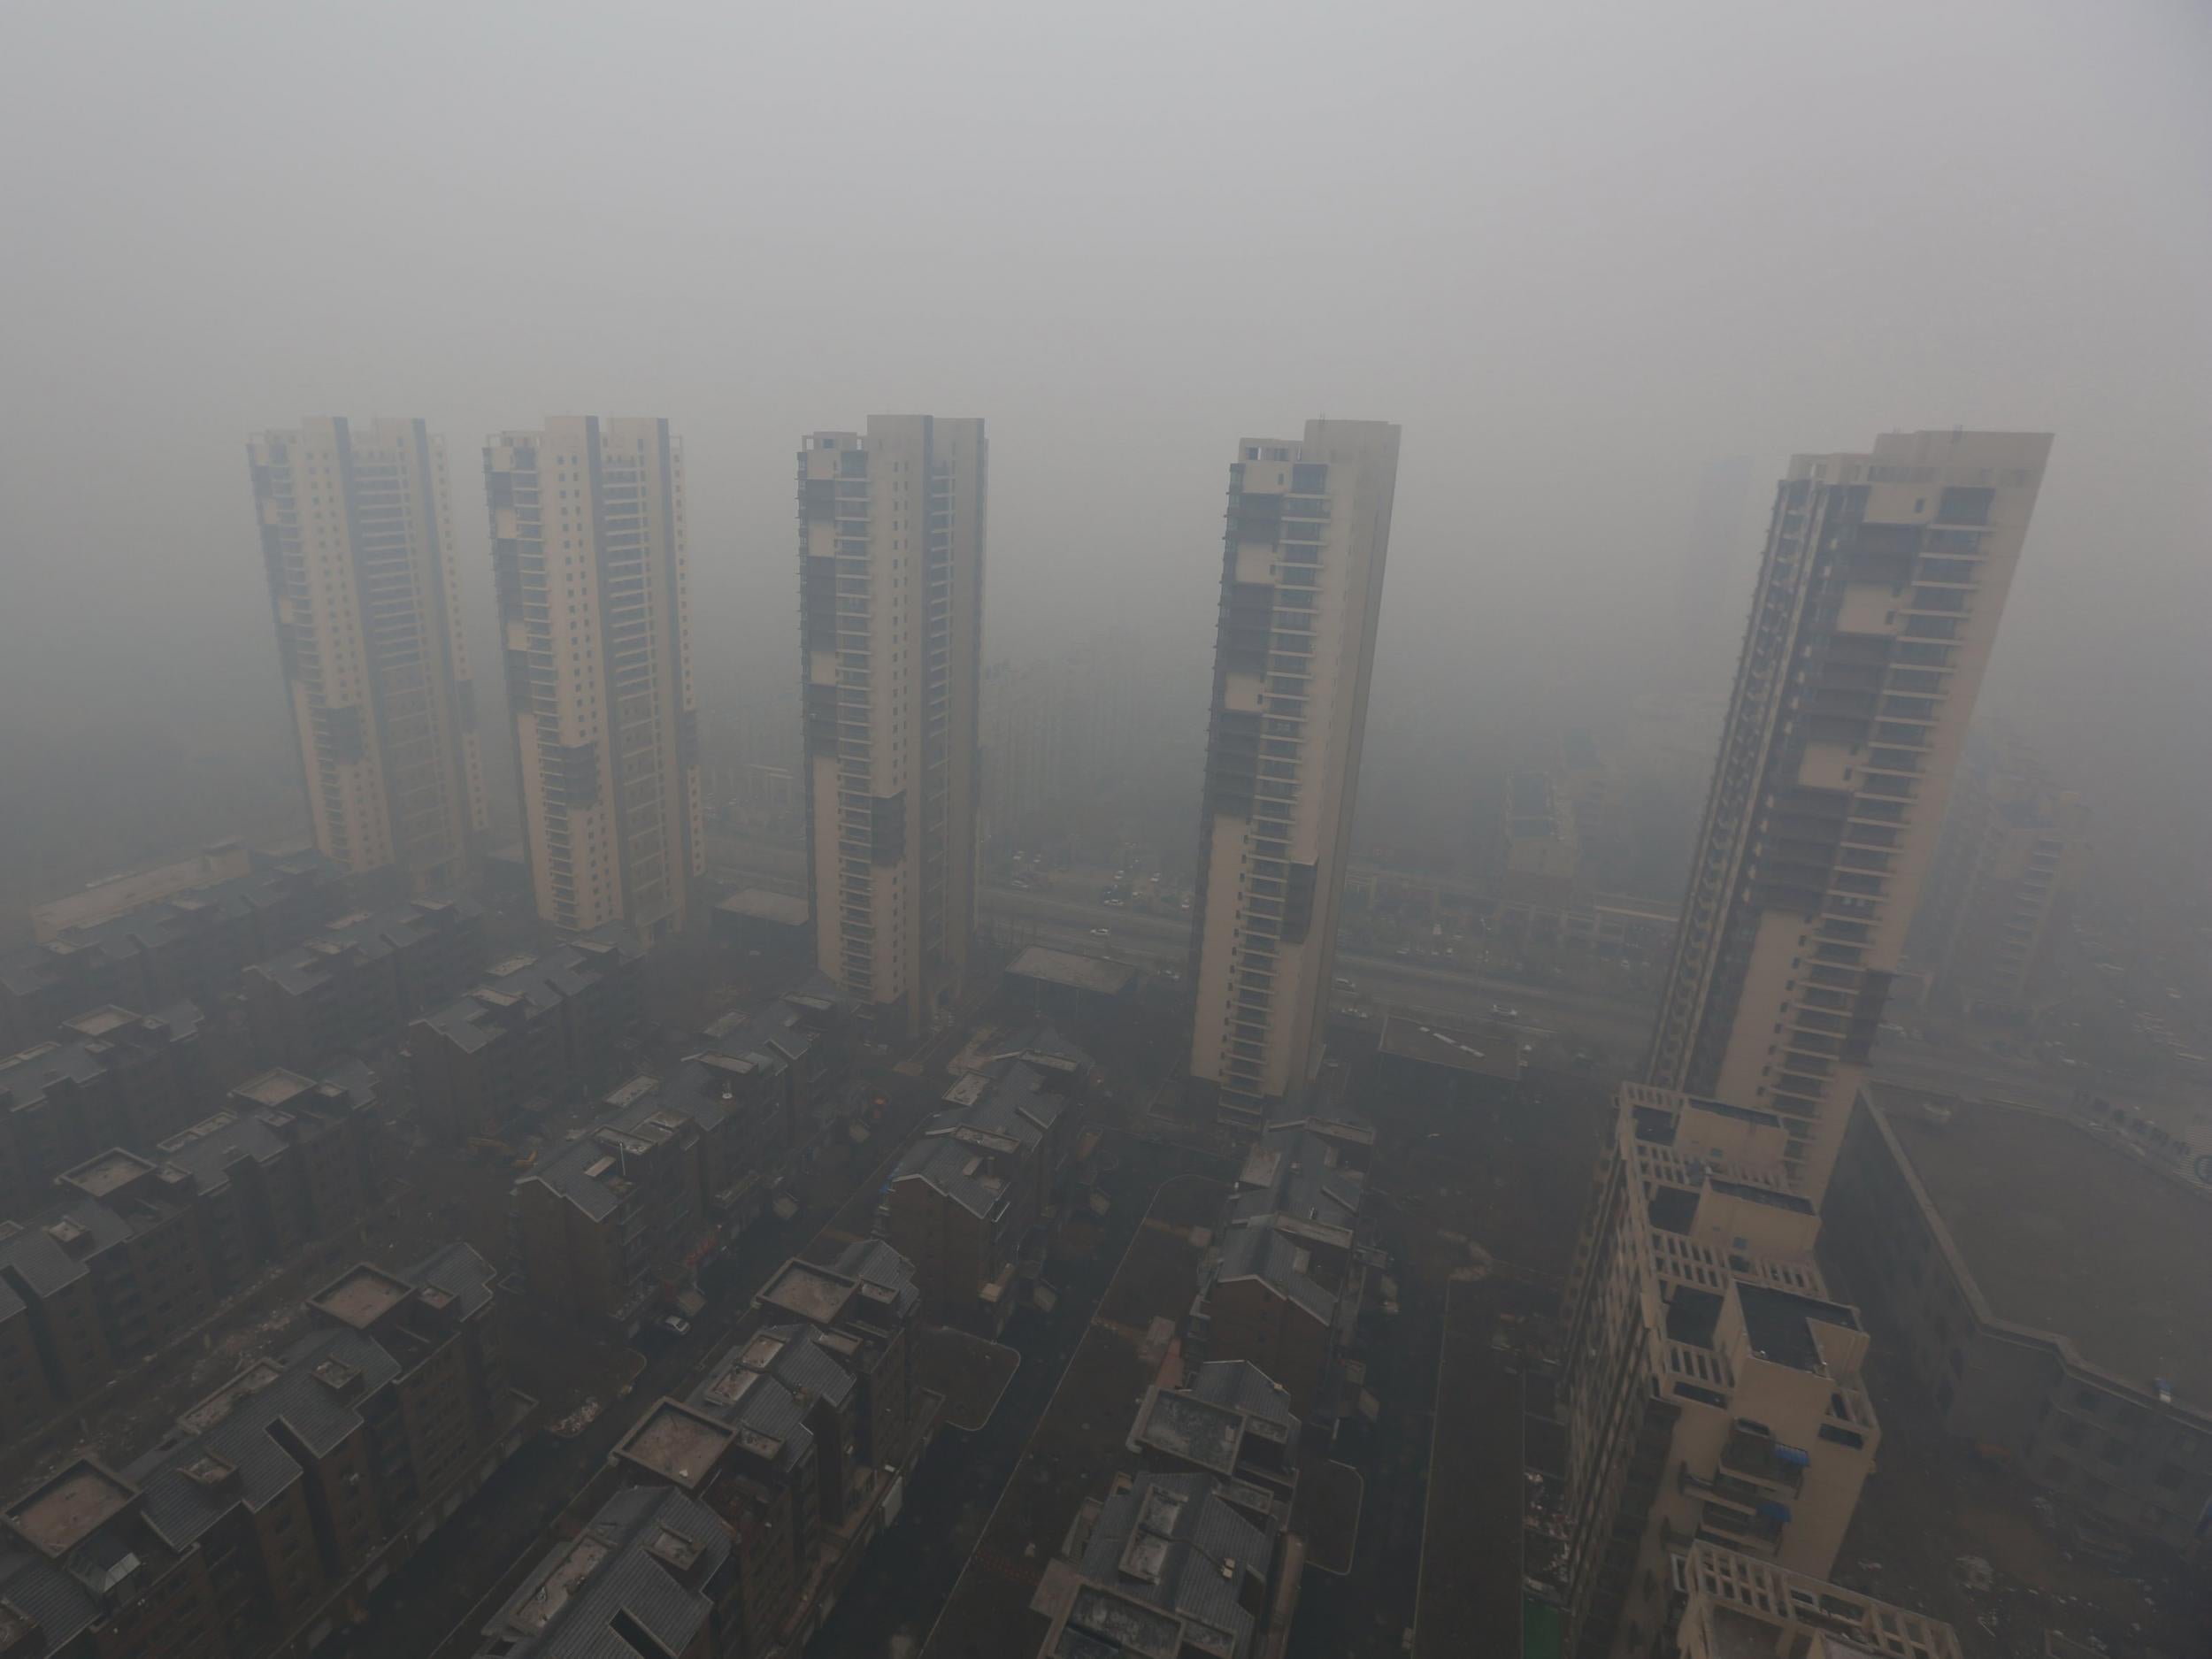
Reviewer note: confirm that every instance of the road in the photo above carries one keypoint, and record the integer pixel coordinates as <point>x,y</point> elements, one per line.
<point>1618,1023</point>
<point>1621,1021</point>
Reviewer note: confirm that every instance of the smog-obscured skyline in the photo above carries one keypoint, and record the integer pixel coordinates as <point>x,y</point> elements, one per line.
<point>1578,254</point>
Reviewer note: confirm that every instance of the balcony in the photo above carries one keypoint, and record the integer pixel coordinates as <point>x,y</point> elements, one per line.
<point>1763,1462</point>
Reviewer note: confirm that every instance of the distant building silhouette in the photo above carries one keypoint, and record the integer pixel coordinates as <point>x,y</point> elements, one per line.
<point>357,533</point>
<point>891,527</point>
<point>594,611</point>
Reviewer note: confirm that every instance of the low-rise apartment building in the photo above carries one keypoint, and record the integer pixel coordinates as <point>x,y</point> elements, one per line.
<point>863,1307</point>
<point>796,1447</point>
<point>535,1031</point>
<point>141,1248</point>
<point>1711,1387</point>
<point>53,1347</point>
<point>1167,1564</point>
<point>289,1159</point>
<point>132,1223</point>
<point>1230,1420</point>
<point>655,1573</point>
<point>108,1077</point>
<point>970,1199</point>
<point>356,982</point>
<point>190,944</point>
<point>1284,1285</point>
<point>2080,1351</point>
<point>306,1479</point>
<point>604,1223</point>
<point>85,1575</point>
<point>784,1060</point>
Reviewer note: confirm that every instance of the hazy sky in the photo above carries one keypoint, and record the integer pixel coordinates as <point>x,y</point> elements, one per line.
<point>1578,251</point>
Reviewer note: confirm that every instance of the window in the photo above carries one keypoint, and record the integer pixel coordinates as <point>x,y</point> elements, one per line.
<point>1965,506</point>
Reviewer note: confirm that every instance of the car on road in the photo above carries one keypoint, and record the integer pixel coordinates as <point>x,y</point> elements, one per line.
<point>1504,1012</point>
<point>1102,933</point>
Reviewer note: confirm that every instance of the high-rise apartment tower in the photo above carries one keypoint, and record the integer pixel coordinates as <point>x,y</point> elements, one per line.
<point>357,533</point>
<point>1877,603</point>
<point>891,531</point>
<point>1302,573</point>
<point>595,613</point>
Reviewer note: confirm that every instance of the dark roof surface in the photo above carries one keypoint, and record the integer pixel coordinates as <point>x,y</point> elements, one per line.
<point>628,1566</point>
<point>2065,1232</point>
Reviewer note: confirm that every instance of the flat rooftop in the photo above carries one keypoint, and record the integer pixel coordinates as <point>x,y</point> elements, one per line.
<point>813,1294</point>
<point>273,1088</point>
<point>361,1297</point>
<point>1486,1051</point>
<point>676,1443</point>
<point>110,1173</point>
<point>1073,969</point>
<point>103,1022</point>
<point>2065,1232</point>
<point>58,1516</point>
<point>786,910</point>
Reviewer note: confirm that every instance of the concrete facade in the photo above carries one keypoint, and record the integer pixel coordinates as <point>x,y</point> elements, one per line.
<point>968,1198</point>
<point>891,552</point>
<point>2002,883</point>
<point>112,1078</point>
<point>191,945</point>
<point>2081,1356</point>
<point>1883,579</point>
<point>536,1030</point>
<point>1734,1606</point>
<point>1302,573</point>
<point>594,612</point>
<point>1711,1388</point>
<point>357,533</point>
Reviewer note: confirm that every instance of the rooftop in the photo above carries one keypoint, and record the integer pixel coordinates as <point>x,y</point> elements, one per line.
<point>1174,1542</point>
<point>2065,1232</point>
<point>364,935</point>
<point>1779,1323</point>
<point>361,1295</point>
<point>812,1293</point>
<point>102,1022</point>
<point>869,1276</point>
<point>784,909</point>
<point>108,1173</point>
<point>152,927</point>
<point>1257,1250</point>
<point>635,1568</point>
<point>273,1088</point>
<point>1489,1051</point>
<point>55,1517</point>
<point>1073,970</point>
<point>677,1443</point>
<point>522,987</point>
